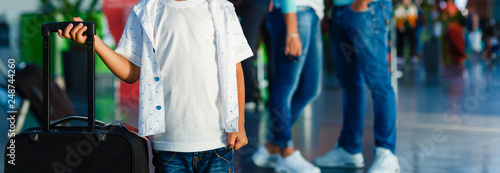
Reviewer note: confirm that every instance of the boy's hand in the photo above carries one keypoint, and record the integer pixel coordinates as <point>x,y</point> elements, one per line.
<point>238,139</point>
<point>74,33</point>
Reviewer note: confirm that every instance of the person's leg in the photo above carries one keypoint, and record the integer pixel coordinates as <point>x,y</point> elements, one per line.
<point>400,43</point>
<point>347,152</point>
<point>476,71</point>
<point>309,85</point>
<point>253,15</point>
<point>172,162</point>
<point>370,41</point>
<point>351,80</point>
<point>419,44</point>
<point>287,74</point>
<point>412,37</point>
<point>251,92</point>
<point>266,37</point>
<point>217,160</point>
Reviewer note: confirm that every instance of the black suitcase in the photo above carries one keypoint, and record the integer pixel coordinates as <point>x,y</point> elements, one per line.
<point>75,149</point>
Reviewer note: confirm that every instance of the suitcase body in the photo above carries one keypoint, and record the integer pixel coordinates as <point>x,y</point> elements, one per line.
<point>75,149</point>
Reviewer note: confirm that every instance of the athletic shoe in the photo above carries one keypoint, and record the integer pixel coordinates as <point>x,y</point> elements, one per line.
<point>295,163</point>
<point>250,106</point>
<point>263,158</point>
<point>338,157</point>
<point>385,162</point>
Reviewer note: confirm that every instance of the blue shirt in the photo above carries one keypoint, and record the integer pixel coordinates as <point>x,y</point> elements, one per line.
<point>342,2</point>
<point>287,6</point>
<point>290,6</point>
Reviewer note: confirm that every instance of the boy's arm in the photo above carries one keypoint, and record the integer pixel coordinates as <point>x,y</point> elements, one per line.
<point>119,65</point>
<point>239,139</point>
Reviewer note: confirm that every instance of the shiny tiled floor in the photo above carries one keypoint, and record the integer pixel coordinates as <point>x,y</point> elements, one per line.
<point>450,127</point>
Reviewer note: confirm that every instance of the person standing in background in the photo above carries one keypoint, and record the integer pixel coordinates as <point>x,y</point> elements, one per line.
<point>454,55</point>
<point>298,52</point>
<point>419,29</point>
<point>253,15</point>
<point>406,14</point>
<point>474,46</point>
<point>453,41</point>
<point>359,35</point>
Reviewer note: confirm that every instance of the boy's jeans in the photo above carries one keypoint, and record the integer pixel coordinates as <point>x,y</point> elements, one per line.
<point>217,160</point>
<point>359,46</point>
<point>295,84</point>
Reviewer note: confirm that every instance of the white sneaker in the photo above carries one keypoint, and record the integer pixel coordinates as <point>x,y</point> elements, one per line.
<point>250,106</point>
<point>263,158</point>
<point>339,157</point>
<point>295,163</point>
<point>385,162</point>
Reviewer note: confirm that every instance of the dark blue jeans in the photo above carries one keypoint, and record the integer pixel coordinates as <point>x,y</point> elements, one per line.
<point>217,160</point>
<point>359,45</point>
<point>295,84</point>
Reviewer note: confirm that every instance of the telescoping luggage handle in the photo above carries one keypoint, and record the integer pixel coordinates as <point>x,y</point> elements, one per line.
<point>47,30</point>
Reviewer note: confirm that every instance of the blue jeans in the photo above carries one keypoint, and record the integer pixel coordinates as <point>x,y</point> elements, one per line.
<point>359,46</point>
<point>295,84</point>
<point>217,160</point>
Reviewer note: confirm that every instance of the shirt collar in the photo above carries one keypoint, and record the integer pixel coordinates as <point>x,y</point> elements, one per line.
<point>141,10</point>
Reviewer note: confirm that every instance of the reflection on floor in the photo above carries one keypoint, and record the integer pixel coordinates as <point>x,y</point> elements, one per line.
<point>449,127</point>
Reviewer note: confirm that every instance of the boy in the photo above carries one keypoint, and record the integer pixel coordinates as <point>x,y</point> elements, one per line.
<point>185,54</point>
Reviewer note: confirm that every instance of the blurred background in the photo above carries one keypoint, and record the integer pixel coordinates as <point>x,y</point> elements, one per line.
<point>448,116</point>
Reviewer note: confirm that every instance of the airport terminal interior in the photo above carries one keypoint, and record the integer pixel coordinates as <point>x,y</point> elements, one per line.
<point>448,117</point>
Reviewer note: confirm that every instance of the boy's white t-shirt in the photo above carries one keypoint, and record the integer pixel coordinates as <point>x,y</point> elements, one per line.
<point>186,51</point>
